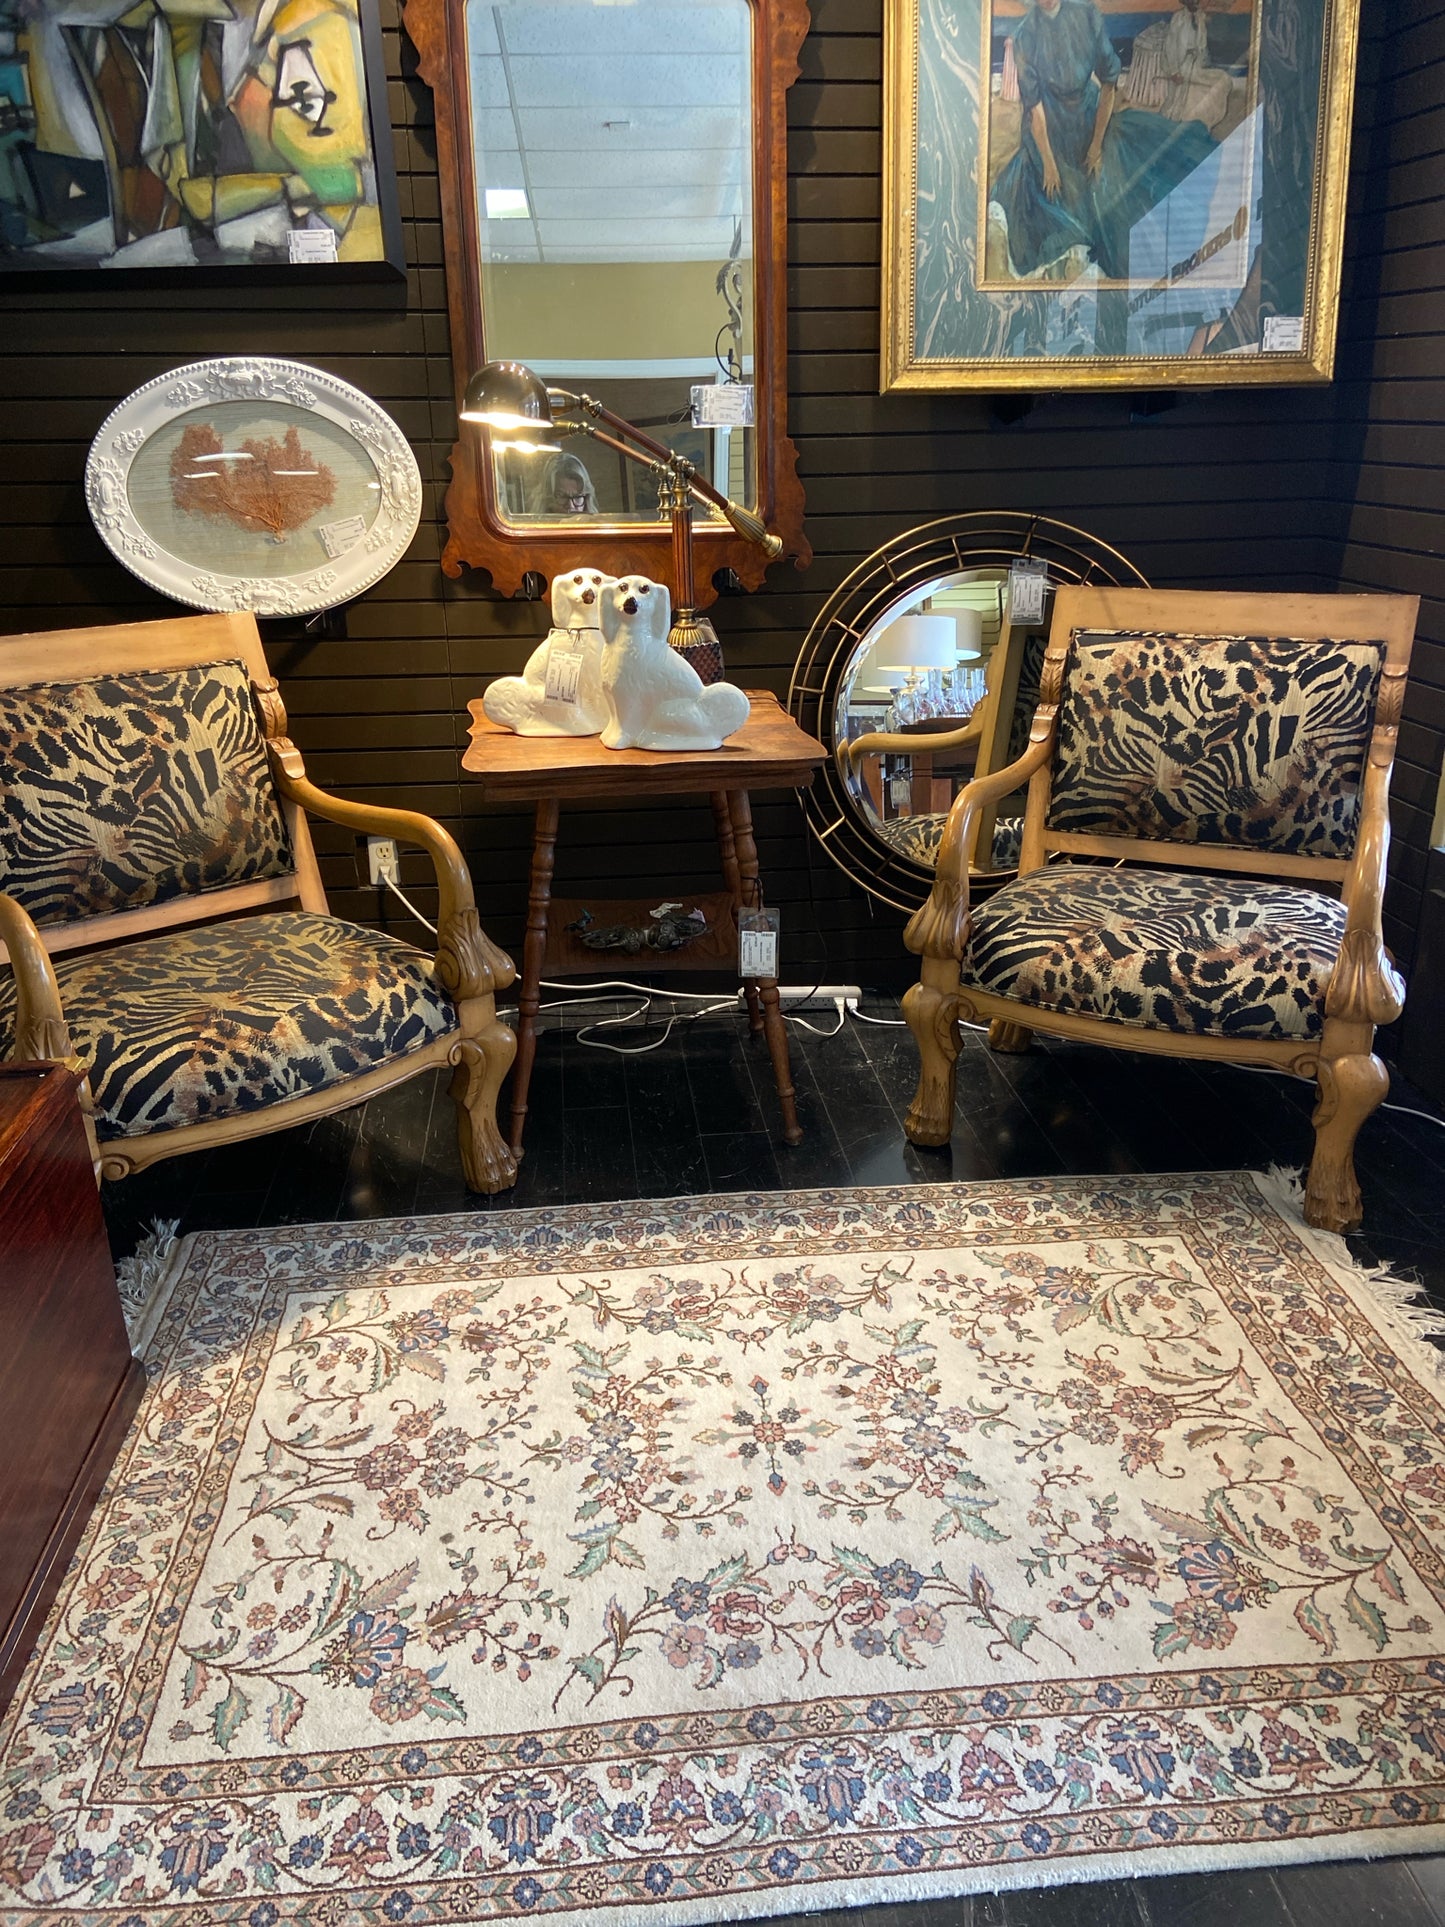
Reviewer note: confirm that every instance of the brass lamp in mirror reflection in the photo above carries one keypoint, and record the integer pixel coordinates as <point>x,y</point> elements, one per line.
<point>512,403</point>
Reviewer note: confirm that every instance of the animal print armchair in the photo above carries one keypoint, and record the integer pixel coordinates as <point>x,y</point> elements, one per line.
<point>1203,855</point>
<point>165,922</point>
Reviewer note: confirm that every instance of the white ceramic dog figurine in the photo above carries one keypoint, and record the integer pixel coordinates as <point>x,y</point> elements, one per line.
<point>522,703</point>
<point>656,700</point>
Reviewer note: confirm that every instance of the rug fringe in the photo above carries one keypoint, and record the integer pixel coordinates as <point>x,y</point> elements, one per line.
<point>1412,1321</point>
<point>147,1277</point>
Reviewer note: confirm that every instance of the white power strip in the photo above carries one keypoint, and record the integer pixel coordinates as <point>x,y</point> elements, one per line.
<point>815,996</point>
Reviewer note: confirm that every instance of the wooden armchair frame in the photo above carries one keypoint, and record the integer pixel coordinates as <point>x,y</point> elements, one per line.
<point>469,967</point>
<point>1364,990</point>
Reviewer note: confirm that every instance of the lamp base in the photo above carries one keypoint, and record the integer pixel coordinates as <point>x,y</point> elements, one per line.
<point>696,641</point>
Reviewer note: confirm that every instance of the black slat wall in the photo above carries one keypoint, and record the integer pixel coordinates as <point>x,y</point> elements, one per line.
<point>1391,397</point>
<point>1237,489</point>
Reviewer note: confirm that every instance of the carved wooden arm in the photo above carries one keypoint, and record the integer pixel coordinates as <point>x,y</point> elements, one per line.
<point>940,927</point>
<point>468,963</point>
<point>919,744</point>
<point>1364,985</point>
<point>41,1032</point>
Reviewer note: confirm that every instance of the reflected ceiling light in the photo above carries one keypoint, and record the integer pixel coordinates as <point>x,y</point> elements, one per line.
<point>919,642</point>
<point>507,204</point>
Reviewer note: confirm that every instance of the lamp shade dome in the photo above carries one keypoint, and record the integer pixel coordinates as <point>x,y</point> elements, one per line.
<point>507,396</point>
<point>919,642</point>
<point>968,624</point>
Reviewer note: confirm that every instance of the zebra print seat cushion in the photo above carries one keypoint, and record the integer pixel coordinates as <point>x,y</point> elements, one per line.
<point>133,789</point>
<point>1239,740</point>
<point>918,837</point>
<point>203,1023</point>
<point>1227,956</point>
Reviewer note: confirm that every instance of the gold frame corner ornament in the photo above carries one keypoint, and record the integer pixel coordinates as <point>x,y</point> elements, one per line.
<point>902,372</point>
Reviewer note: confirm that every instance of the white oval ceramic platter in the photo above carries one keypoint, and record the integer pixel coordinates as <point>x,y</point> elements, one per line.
<point>252,483</point>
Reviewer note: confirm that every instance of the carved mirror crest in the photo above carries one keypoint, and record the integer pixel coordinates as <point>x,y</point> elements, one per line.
<point>613,185</point>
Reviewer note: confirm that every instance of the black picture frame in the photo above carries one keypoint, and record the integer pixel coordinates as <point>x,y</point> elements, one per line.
<point>384,270</point>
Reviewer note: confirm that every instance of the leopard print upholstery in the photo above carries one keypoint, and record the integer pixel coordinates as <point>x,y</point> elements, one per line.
<point>133,789</point>
<point>210,1021</point>
<point>1249,741</point>
<point>1226,956</point>
<point>918,838</point>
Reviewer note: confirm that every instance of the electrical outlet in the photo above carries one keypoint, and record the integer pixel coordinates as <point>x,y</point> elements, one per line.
<point>381,861</point>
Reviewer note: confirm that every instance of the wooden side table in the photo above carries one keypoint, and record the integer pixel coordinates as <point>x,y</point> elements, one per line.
<point>769,752</point>
<point>68,1384</point>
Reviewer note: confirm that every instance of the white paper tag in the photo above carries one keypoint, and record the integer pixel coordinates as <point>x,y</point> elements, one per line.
<point>757,953</point>
<point>758,943</point>
<point>311,244</point>
<point>564,667</point>
<point>338,537</point>
<point>1284,334</point>
<point>1028,585</point>
<point>722,404</point>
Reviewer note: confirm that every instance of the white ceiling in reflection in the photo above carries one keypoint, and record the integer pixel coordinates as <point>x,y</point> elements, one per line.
<point>626,124</point>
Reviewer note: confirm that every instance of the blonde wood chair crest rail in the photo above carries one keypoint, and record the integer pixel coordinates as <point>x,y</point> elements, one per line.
<point>468,966</point>
<point>1364,988</point>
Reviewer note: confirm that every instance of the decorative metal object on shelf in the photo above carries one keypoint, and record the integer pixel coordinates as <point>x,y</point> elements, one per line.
<point>905,732</point>
<point>669,927</point>
<point>252,483</point>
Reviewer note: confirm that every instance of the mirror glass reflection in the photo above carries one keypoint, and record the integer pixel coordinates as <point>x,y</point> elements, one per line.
<point>613,153</point>
<point>952,683</point>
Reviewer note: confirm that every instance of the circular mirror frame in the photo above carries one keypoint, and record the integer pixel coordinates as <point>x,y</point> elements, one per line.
<point>902,567</point>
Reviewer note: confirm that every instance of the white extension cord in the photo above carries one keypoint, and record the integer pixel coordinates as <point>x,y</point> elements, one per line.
<point>843,998</point>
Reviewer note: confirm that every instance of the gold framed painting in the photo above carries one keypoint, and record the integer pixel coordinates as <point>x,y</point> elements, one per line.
<point>1113,193</point>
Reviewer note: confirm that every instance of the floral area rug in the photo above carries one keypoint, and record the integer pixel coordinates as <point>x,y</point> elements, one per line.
<point>729,1557</point>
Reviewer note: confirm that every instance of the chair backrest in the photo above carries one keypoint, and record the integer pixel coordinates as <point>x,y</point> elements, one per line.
<point>135,789</point>
<point>1216,730</point>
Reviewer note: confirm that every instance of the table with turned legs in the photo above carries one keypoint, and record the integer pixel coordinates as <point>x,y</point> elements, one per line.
<point>769,752</point>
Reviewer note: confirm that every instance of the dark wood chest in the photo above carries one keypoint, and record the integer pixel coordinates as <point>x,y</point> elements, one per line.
<point>68,1383</point>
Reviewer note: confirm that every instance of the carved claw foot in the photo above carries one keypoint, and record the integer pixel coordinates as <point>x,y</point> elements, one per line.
<point>481,1064</point>
<point>1350,1088</point>
<point>1005,1035</point>
<point>931,1015</point>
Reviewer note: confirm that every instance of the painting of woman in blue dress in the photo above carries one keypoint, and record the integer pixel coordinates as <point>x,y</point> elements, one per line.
<point>1088,167</point>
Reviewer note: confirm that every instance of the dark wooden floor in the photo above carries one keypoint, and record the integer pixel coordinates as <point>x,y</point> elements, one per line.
<point>697,1115</point>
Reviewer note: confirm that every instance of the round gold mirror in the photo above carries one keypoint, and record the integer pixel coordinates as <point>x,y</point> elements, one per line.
<point>921,672</point>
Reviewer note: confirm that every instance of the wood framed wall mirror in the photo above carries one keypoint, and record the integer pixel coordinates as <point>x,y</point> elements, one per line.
<point>613,187</point>
<point>922,672</point>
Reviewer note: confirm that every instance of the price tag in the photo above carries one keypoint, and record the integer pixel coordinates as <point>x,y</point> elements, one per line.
<point>1028,585</point>
<point>758,943</point>
<point>564,667</point>
<point>305,244</point>
<point>1284,334</point>
<point>338,537</point>
<point>722,404</point>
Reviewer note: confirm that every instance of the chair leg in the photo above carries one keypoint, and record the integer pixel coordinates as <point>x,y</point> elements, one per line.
<point>482,1061</point>
<point>931,1013</point>
<point>1004,1034</point>
<point>1350,1088</point>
